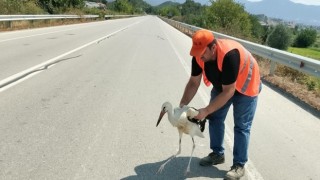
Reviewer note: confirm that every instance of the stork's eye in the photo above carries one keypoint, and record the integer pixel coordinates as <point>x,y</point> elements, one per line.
<point>164,109</point>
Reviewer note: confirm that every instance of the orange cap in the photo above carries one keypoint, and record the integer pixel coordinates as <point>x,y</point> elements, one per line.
<point>200,41</point>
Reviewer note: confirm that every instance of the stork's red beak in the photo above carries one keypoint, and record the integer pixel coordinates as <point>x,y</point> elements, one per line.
<point>160,117</point>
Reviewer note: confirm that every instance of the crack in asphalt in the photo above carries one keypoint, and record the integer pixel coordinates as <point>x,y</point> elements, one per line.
<point>36,70</point>
<point>98,42</point>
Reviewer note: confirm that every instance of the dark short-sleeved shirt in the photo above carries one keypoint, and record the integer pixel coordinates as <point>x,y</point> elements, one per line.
<point>229,74</point>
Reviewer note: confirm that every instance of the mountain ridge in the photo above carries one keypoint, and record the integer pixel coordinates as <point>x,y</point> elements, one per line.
<point>296,12</point>
<point>280,9</point>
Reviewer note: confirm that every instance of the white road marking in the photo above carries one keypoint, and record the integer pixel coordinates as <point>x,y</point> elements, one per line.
<point>21,76</point>
<point>22,37</point>
<point>40,34</point>
<point>18,81</point>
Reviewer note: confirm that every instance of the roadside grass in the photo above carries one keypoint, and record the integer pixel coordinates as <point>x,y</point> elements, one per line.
<point>18,25</point>
<point>312,83</point>
<point>313,52</point>
<point>300,85</point>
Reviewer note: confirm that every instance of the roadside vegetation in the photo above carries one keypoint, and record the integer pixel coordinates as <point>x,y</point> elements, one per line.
<point>229,17</point>
<point>313,53</point>
<point>224,16</point>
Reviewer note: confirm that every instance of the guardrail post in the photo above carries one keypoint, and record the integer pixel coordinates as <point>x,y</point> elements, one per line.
<point>47,22</point>
<point>31,23</point>
<point>273,66</point>
<point>9,24</point>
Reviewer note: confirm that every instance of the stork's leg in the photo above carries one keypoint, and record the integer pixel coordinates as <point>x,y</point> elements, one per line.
<point>172,157</point>
<point>188,168</point>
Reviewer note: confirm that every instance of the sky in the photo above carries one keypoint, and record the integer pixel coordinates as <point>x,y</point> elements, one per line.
<point>306,2</point>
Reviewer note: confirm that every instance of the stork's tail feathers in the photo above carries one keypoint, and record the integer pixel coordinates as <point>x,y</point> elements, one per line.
<point>200,123</point>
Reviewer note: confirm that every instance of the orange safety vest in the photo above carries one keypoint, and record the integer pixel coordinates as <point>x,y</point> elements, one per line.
<point>248,80</point>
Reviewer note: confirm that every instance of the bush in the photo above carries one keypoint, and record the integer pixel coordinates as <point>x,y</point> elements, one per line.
<point>31,7</point>
<point>279,38</point>
<point>311,85</point>
<point>257,30</point>
<point>230,16</point>
<point>295,75</point>
<point>20,7</point>
<point>305,38</point>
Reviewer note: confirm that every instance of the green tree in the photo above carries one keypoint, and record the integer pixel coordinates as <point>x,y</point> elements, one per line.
<point>229,16</point>
<point>139,6</point>
<point>150,10</point>
<point>296,29</point>
<point>193,13</point>
<point>60,6</point>
<point>257,30</point>
<point>169,11</point>
<point>305,38</point>
<point>20,7</point>
<point>190,7</point>
<point>267,30</point>
<point>123,6</point>
<point>31,7</point>
<point>10,7</point>
<point>280,37</point>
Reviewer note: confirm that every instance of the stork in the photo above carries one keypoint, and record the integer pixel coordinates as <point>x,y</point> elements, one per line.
<point>182,119</point>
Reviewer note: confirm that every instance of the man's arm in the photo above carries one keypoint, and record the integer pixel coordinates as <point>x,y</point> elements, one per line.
<point>217,102</point>
<point>230,69</point>
<point>190,89</point>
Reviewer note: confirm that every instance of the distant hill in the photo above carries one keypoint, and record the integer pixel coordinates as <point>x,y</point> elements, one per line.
<point>278,9</point>
<point>167,3</point>
<point>139,3</point>
<point>286,10</point>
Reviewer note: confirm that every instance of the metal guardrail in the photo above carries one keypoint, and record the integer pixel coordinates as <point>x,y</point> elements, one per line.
<point>117,16</point>
<point>9,19</point>
<point>42,17</point>
<point>300,63</point>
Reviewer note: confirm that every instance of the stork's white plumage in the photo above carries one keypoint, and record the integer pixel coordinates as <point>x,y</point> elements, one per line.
<point>179,118</point>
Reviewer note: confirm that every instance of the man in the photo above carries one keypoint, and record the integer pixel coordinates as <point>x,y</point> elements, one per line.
<point>234,74</point>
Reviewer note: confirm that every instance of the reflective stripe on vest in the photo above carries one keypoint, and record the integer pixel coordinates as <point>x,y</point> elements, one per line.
<point>245,85</point>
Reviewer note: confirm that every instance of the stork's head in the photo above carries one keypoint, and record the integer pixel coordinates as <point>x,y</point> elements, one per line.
<point>164,109</point>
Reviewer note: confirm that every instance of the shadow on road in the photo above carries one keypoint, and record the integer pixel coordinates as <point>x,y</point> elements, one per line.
<point>175,170</point>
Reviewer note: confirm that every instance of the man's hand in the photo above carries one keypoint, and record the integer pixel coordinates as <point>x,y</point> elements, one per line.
<point>203,113</point>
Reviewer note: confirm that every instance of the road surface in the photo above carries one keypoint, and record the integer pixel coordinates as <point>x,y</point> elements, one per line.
<point>82,101</point>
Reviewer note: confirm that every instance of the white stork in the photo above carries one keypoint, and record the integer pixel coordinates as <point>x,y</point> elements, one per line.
<point>181,118</point>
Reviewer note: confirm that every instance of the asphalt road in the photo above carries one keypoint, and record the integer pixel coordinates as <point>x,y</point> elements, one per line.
<point>81,102</point>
